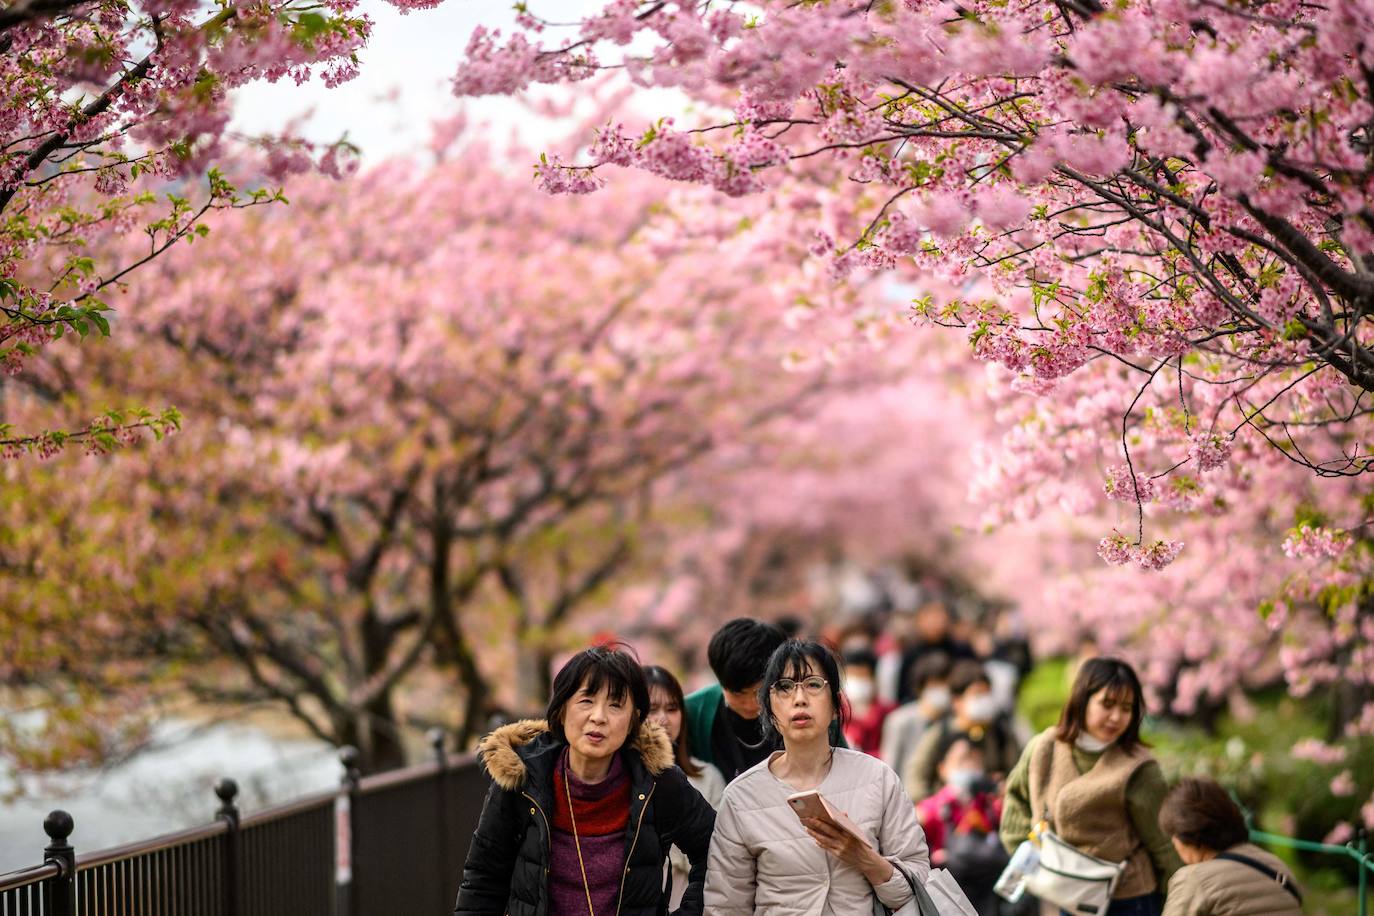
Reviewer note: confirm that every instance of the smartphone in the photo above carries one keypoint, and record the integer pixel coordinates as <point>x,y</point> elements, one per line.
<point>813,804</point>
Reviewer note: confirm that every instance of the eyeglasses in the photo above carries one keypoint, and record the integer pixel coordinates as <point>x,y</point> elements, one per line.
<point>786,687</point>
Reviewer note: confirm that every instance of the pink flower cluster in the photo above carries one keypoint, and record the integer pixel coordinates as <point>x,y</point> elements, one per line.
<point>554,177</point>
<point>1158,554</point>
<point>1210,450</point>
<point>1118,550</point>
<point>1316,542</point>
<point>673,155</point>
<point>612,147</point>
<point>1115,549</point>
<point>1342,784</point>
<point>1318,752</point>
<point>1340,834</point>
<point>1122,485</point>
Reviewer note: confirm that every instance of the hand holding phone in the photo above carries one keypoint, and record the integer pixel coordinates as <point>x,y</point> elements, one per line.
<point>812,804</point>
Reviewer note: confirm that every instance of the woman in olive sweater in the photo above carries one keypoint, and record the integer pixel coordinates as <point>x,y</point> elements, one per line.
<point>1099,788</point>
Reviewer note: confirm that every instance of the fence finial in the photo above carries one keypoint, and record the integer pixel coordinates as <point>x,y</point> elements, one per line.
<point>62,900</point>
<point>349,757</point>
<point>227,790</point>
<point>58,826</point>
<point>436,738</point>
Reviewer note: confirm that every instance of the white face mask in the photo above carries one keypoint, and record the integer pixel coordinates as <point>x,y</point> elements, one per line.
<point>1086,742</point>
<point>936,698</point>
<point>963,780</point>
<point>859,691</point>
<point>982,708</point>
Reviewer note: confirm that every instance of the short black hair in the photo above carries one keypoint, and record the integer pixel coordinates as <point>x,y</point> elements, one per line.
<point>793,659</point>
<point>953,737</point>
<point>930,665</point>
<point>1201,813</point>
<point>1114,676</point>
<point>613,666</point>
<point>739,651</point>
<point>861,658</point>
<point>965,673</point>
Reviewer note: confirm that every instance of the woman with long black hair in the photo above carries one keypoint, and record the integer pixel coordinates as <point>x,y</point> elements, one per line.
<point>767,860</point>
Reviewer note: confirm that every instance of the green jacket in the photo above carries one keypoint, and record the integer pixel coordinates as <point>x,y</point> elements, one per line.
<point>702,708</point>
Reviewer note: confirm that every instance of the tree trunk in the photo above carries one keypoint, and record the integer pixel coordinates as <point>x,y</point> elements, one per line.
<point>377,737</point>
<point>534,677</point>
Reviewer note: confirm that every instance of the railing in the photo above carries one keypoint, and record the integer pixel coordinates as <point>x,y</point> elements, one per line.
<point>391,843</point>
<point>1358,850</point>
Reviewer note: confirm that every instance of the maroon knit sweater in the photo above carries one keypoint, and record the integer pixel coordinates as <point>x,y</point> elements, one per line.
<point>603,811</point>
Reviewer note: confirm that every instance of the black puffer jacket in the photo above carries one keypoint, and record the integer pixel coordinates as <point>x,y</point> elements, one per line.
<point>507,866</point>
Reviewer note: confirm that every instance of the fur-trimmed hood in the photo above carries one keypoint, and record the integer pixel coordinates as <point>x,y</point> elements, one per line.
<point>500,751</point>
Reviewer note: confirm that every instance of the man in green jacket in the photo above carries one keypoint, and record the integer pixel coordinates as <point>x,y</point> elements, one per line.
<point>724,720</point>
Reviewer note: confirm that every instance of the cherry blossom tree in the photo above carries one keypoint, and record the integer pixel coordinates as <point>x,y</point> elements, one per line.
<point>1178,190</point>
<point>425,413</point>
<point>113,118</point>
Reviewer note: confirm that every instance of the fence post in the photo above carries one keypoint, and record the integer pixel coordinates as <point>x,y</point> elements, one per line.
<point>232,862</point>
<point>346,833</point>
<point>62,900</point>
<point>436,741</point>
<point>1363,849</point>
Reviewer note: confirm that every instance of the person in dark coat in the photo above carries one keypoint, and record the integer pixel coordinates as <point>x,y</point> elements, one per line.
<point>585,804</point>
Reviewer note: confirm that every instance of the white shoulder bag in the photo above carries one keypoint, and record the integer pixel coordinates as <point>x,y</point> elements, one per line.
<point>1072,879</point>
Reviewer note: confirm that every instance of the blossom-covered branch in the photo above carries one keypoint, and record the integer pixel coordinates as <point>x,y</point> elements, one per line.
<point>1159,183</point>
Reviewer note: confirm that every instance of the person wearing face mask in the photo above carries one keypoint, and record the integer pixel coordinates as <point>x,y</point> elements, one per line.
<point>665,709</point>
<point>961,820</point>
<point>903,727</point>
<point>864,729</point>
<point>1096,784</point>
<point>975,712</point>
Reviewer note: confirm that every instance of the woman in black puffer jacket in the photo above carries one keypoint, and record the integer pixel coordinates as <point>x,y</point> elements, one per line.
<point>584,806</point>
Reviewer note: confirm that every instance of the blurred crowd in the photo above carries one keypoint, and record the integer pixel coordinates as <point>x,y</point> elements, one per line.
<point>934,697</point>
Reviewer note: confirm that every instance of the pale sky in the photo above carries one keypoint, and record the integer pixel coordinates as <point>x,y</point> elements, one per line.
<point>404,81</point>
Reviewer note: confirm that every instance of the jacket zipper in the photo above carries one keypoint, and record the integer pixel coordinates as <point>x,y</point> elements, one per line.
<point>547,832</point>
<point>633,842</point>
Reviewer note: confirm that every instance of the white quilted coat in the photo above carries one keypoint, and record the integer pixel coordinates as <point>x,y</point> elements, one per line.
<point>763,861</point>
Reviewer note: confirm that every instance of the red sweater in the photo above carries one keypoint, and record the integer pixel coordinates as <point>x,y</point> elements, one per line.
<point>603,813</point>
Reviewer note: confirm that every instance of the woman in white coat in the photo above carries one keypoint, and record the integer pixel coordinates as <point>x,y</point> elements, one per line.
<point>764,858</point>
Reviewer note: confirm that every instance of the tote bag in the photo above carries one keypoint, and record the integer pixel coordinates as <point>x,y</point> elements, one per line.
<point>939,896</point>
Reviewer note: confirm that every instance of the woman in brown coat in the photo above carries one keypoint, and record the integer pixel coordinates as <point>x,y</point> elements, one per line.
<point>1224,874</point>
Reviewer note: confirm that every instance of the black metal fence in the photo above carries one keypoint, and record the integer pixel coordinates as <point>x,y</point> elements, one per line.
<point>385,845</point>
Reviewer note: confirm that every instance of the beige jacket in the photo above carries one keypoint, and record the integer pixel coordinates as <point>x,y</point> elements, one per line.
<point>763,861</point>
<point>1218,887</point>
<point>711,785</point>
